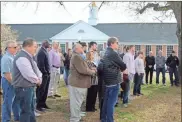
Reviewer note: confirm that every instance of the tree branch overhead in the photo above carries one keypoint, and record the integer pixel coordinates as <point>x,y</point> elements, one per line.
<point>155,6</point>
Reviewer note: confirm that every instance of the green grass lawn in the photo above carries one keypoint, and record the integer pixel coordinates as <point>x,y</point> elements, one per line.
<point>159,104</point>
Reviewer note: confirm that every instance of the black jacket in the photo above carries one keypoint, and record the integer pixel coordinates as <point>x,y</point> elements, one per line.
<point>150,61</point>
<point>172,61</point>
<point>112,67</point>
<point>43,61</point>
<point>122,55</point>
<point>101,84</point>
<point>67,61</point>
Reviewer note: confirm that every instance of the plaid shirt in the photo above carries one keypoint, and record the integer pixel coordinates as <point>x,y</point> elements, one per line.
<point>94,80</point>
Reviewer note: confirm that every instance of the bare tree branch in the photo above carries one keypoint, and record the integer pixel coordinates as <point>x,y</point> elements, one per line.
<point>101,4</point>
<point>62,4</point>
<point>155,6</point>
<point>37,6</point>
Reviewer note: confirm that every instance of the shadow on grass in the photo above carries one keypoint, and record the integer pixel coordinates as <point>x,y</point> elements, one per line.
<point>152,94</point>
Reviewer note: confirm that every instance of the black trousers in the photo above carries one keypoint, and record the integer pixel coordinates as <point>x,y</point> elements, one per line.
<point>91,97</point>
<point>42,91</point>
<point>149,70</point>
<point>101,98</point>
<point>175,72</point>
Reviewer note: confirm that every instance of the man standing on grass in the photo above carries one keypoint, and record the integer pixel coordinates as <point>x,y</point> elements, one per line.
<point>44,66</point>
<point>172,63</point>
<point>160,68</point>
<point>55,63</point>
<point>128,59</point>
<point>79,80</point>
<point>139,67</point>
<point>8,104</point>
<point>112,67</point>
<point>150,62</point>
<point>26,76</point>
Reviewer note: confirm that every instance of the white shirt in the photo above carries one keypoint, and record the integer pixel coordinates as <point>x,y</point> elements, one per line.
<point>128,59</point>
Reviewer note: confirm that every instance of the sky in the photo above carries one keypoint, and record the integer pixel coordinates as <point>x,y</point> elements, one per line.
<point>52,12</point>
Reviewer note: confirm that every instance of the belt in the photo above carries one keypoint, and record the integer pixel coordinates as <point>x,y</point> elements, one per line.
<point>55,66</point>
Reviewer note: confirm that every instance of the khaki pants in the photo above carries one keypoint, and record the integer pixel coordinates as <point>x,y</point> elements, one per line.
<point>77,96</point>
<point>54,78</point>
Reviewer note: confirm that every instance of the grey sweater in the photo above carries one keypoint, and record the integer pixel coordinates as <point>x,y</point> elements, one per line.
<point>160,61</point>
<point>139,65</point>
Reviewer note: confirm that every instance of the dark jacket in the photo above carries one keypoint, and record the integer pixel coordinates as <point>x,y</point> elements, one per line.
<point>67,61</point>
<point>100,79</point>
<point>150,61</point>
<point>80,73</point>
<point>122,55</point>
<point>101,85</point>
<point>112,67</point>
<point>172,61</point>
<point>43,61</point>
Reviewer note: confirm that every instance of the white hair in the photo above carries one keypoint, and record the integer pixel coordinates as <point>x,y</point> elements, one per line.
<point>10,42</point>
<point>77,45</point>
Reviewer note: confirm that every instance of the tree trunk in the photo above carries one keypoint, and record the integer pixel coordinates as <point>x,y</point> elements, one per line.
<point>176,7</point>
<point>180,58</point>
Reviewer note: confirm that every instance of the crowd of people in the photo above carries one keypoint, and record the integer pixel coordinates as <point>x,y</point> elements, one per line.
<point>29,77</point>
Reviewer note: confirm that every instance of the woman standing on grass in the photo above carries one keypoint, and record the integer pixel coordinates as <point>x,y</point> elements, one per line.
<point>67,65</point>
<point>92,91</point>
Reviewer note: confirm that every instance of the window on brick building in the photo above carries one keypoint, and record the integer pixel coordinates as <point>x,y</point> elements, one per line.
<point>158,47</point>
<point>147,50</point>
<point>137,48</point>
<point>169,50</point>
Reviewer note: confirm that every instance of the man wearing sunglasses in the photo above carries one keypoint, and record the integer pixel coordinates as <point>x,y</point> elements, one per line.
<point>8,90</point>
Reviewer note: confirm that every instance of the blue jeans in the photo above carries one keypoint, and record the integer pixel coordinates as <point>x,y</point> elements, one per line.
<point>158,71</point>
<point>137,83</point>
<point>126,92</point>
<point>25,97</point>
<point>65,75</point>
<point>110,99</point>
<point>8,103</point>
<point>61,70</point>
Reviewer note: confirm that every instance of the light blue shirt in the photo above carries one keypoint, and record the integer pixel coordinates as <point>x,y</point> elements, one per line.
<point>7,63</point>
<point>83,56</point>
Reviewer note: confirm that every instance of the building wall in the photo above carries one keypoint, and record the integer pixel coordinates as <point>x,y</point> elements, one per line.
<point>153,49</point>
<point>176,49</point>
<point>143,49</point>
